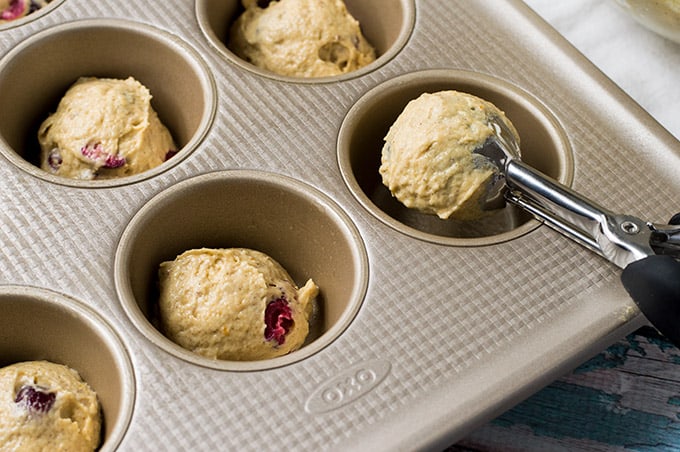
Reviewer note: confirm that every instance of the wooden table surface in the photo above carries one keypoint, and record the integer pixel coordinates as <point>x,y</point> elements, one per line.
<point>628,396</point>
<point>625,398</point>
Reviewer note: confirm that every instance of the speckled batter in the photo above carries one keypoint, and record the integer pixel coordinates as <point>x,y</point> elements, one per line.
<point>102,129</point>
<point>47,407</point>
<point>16,9</point>
<point>427,160</point>
<point>301,38</point>
<point>233,304</point>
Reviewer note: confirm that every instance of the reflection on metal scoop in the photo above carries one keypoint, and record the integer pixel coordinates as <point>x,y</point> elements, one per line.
<point>621,239</point>
<point>498,149</point>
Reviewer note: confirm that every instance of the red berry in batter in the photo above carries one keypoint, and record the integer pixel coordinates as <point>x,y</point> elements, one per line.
<point>35,399</point>
<point>15,10</point>
<point>278,319</point>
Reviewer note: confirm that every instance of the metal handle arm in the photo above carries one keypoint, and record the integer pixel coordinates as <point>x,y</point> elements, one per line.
<point>621,239</point>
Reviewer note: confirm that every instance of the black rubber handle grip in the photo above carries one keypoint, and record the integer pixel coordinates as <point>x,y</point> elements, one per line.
<point>654,285</point>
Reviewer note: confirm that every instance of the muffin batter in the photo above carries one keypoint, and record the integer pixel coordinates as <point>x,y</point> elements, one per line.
<point>46,406</point>
<point>233,304</point>
<point>103,129</point>
<point>661,16</point>
<point>301,38</point>
<point>16,9</point>
<point>427,160</point>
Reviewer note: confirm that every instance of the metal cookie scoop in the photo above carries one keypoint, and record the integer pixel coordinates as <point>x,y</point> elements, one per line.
<point>647,252</point>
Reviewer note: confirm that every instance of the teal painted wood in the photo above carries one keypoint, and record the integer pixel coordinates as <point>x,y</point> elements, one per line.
<point>625,398</point>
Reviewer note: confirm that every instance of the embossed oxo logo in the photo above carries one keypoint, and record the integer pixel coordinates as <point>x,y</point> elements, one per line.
<point>347,387</point>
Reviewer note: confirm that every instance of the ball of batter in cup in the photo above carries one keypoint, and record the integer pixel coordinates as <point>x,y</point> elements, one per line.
<point>47,406</point>
<point>300,38</point>
<point>427,161</point>
<point>233,304</point>
<point>103,129</point>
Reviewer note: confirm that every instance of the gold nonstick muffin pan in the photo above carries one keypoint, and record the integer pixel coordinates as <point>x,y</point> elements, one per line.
<point>426,328</point>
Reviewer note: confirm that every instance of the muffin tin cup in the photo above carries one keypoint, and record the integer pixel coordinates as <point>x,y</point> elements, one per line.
<point>247,209</point>
<point>544,146</point>
<point>386,25</point>
<point>37,73</point>
<point>38,324</point>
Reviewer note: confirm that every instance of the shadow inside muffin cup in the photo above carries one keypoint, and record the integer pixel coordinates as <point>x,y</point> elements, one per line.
<point>544,146</point>
<point>299,227</point>
<point>37,324</point>
<point>37,73</point>
<point>386,25</point>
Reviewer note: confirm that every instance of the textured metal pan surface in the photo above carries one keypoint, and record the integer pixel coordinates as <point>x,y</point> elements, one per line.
<point>446,336</point>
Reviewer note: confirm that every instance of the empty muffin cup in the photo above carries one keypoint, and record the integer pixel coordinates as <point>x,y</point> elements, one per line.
<point>386,25</point>
<point>245,209</point>
<point>360,141</point>
<point>38,324</point>
<point>38,72</point>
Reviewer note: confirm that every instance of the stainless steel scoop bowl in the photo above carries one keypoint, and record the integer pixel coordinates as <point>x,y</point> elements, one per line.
<point>498,150</point>
<point>647,252</point>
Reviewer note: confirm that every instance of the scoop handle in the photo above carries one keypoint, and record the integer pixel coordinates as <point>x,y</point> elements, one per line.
<point>654,284</point>
<point>621,239</point>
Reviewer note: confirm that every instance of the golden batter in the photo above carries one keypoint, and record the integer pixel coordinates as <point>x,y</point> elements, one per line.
<point>47,407</point>
<point>427,159</point>
<point>301,38</point>
<point>233,304</point>
<point>103,129</point>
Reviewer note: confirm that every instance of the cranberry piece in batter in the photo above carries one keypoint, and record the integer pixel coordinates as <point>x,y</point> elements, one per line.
<point>54,159</point>
<point>97,154</point>
<point>278,319</point>
<point>35,399</point>
<point>170,154</point>
<point>15,10</point>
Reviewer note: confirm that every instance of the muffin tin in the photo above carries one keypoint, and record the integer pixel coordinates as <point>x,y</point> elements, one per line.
<point>426,328</point>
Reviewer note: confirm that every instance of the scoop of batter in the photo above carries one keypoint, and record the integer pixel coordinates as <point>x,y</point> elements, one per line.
<point>16,9</point>
<point>46,406</point>
<point>103,129</point>
<point>427,160</point>
<point>233,304</point>
<point>300,38</point>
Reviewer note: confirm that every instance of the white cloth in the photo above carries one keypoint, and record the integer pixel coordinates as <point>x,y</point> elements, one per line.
<point>642,63</point>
